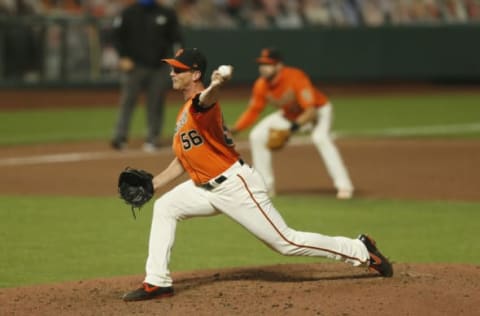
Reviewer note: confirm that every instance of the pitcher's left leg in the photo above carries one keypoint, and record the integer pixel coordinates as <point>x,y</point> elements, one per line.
<point>245,201</point>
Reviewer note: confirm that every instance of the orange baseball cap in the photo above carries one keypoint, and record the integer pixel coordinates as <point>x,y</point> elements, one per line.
<point>188,59</point>
<point>269,56</point>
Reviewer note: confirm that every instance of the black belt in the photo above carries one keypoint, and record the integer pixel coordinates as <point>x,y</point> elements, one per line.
<point>219,180</point>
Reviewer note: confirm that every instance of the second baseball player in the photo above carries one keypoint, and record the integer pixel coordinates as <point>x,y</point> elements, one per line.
<point>301,107</point>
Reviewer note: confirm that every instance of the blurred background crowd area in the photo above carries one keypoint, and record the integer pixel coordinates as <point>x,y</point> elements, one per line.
<point>268,13</point>
<point>71,41</point>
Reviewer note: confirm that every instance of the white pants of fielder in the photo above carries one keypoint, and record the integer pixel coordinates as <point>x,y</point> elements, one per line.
<point>320,134</point>
<point>242,197</point>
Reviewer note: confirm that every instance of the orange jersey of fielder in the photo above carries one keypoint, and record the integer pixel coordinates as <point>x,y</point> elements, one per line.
<point>291,90</point>
<point>201,141</point>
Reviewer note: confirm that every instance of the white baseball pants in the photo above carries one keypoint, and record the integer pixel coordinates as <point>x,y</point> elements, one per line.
<point>242,197</point>
<point>320,134</point>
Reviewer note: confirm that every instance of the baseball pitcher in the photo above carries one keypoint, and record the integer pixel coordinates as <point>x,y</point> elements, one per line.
<point>221,182</point>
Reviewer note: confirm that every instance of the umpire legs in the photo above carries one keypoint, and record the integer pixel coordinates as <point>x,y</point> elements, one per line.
<point>157,88</point>
<point>130,86</point>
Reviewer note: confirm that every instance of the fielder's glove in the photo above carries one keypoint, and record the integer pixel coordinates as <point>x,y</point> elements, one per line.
<point>278,138</point>
<point>135,187</point>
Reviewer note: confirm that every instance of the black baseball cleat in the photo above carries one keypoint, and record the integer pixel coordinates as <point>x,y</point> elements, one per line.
<point>378,262</point>
<point>148,292</point>
<point>118,144</point>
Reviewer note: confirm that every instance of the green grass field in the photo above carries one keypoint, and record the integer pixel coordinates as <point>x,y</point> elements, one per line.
<point>407,116</point>
<point>51,239</point>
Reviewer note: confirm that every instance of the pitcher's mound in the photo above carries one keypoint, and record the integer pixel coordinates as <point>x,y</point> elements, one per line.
<point>301,289</point>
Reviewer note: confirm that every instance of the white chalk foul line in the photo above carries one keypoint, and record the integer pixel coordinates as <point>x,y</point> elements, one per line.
<point>70,157</point>
<point>298,141</point>
<point>87,156</point>
<point>417,130</point>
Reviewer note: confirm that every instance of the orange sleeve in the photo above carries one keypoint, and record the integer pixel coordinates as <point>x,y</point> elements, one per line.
<point>255,107</point>
<point>307,95</point>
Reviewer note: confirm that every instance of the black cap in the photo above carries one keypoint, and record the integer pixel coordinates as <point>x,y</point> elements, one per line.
<point>269,56</point>
<point>188,59</point>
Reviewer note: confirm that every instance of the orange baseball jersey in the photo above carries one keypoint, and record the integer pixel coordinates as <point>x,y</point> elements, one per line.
<point>291,90</point>
<point>201,141</point>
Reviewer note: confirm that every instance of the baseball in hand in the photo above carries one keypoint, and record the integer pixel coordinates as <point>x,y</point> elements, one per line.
<point>225,71</point>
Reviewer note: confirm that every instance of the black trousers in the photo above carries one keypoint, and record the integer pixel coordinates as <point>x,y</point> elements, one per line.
<point>155,83</point>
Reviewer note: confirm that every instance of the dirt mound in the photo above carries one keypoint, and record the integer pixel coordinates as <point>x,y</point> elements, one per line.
<point>302,289</point>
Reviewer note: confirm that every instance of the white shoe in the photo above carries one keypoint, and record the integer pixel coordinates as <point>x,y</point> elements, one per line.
<point>149,148</point>
<point>344,194</point>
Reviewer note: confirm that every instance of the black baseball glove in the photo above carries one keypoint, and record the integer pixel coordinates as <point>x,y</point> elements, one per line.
<point>135,187</point>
